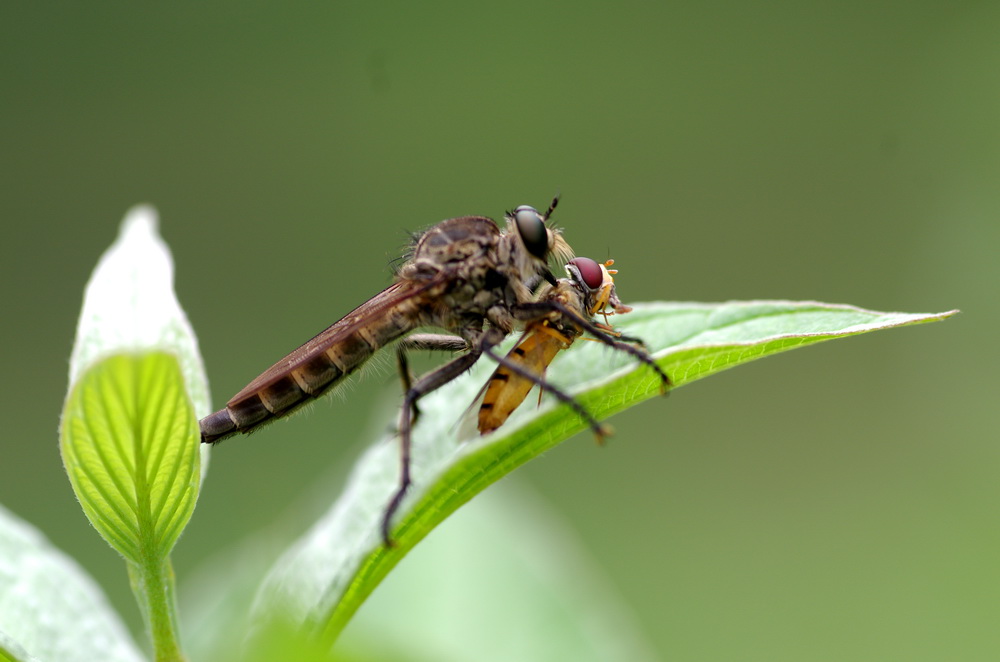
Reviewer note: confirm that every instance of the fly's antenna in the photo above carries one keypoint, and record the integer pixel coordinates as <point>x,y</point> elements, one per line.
<point>552,208</point>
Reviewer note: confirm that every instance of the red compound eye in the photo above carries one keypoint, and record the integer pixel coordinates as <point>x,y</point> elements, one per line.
<point>590,271</point>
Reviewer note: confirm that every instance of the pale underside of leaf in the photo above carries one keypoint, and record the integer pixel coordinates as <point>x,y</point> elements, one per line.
<point>130,306</point>
<point>50,607</point>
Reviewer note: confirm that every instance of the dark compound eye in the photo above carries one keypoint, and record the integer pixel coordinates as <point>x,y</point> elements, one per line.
<point>532,230</point>
<point>590,271</point>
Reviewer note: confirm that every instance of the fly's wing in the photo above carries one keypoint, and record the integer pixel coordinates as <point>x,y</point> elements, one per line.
<point>375,311</point>
<point>505,391</point>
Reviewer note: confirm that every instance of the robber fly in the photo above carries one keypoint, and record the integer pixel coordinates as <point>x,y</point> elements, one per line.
<point>465,275</point>
<point>565,311</point>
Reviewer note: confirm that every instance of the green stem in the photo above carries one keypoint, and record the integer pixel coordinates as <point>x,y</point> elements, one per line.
<point>153,585</point>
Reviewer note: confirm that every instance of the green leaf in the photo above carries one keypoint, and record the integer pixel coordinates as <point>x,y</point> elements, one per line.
<point>49,607</point>
<point>130,314</point>
<point>129,433</point>
<point>322,580</point>
<point>130,445</point>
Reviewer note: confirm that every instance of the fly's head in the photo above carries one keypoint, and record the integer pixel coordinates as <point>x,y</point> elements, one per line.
<point>526,247</point>
<point>595,281</point>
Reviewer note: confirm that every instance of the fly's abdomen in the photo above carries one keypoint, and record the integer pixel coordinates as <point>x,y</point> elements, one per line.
<point>301,377</point>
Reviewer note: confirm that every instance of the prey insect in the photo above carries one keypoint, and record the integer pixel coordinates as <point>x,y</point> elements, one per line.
<point>565,311</point>
<point>466,275</point>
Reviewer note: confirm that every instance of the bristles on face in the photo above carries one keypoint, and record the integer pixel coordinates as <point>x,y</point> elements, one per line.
<point>559,249</point>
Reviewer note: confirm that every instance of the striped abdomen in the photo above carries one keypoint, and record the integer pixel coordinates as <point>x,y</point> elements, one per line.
<point>505,390</point>
<point>317,366</point>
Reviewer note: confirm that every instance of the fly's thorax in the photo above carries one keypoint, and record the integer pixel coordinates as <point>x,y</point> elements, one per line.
<point>569,295</point>
<point>483,272</point>
<point>573,297</point>
<point>461,254</point>
<point>457,246</point>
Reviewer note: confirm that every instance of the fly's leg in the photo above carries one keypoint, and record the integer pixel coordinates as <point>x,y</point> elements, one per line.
<point>620,336</point>
<point>434,342</point>
<point>423,341</point>
<point>416,390</point>
<point>535,309</point>
<point>628,339</point>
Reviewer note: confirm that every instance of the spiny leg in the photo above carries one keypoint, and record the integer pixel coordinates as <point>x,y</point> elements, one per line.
<point>421,387</point>
<point>434,342</point>
<point>428,342</point>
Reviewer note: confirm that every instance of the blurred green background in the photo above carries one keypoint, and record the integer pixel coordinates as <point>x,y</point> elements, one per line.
<point>830,504</point>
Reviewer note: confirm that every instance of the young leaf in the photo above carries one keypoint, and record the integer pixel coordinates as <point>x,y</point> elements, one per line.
<point>130,444</point>
<point>49,608</point>
<point>129,433</point>
<point>322,580</point>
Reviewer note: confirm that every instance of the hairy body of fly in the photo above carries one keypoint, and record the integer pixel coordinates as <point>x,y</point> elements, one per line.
<point>462,274</point>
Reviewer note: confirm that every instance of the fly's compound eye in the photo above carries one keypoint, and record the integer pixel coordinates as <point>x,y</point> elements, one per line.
<point>532,229</point>
<point>589,270</point>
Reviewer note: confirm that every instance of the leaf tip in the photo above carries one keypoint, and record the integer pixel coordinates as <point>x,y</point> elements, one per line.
<point>141,219</point>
